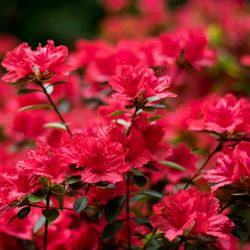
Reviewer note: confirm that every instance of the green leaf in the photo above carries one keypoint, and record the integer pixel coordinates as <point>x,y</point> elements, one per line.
<point>240,229</point>
<point>37,106</point>
<point>153,98</point>
<point>111,229</point>
<point>141,221</point>
<point>154,118</point>
<point>39,224</point>
<point>117,112</point>
<point>44,180</point>
<point>58,189</point>
<point>151,193</point>
<point>57,125</point>
<point>57,83</point>
<point>148,109</point>
<point>173,165</point>
<point>105,185</point>
<point>139,179</point>
<point>199,150</point>
<point>153,244</point>
<point>23,212</point>
<point>151,167</point>
<point>158,106</point>
<point>114,207</point>
<point>77,185</point>
<point>60,199</point>
<point>21,92</point>
<point>73,179</point>
<point>80,204</point>
<point>36,197</point>
<point>49,88</point>
<point>51,214</point>
<point>129,106</point>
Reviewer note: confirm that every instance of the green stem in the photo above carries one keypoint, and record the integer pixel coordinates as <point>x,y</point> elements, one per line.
<point>55,108</point>
<point>127,212</point>
<point>45,237</point>
<point>217,149</point>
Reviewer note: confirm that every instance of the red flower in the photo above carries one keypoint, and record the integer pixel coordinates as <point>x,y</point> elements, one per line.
<point>138,83</point>
<point>99,157</point>
<point>191,214</point>
<point>145,143</point>
<point>224,115</point>
<point>41,64</point>
<point>15,64</point>
<point>233,167</point>
<point>16,185</point>
<point>44,161</point>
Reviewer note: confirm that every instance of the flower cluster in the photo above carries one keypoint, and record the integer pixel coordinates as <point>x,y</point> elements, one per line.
<point>145,146</point>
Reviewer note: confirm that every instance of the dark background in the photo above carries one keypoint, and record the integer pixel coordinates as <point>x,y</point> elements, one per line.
<point>64,21</point>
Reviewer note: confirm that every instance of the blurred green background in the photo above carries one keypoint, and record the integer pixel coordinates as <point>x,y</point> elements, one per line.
<point>61,20</point>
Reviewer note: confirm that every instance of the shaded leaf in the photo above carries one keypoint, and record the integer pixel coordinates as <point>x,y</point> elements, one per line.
<point>37,106</point>
<point>111,229</point>
<point>148,108</point>
<point>140,180</point>
<point>114,207</point>
<point>73,179</point>
<point>117,112</point>
<point>36,197</point>
<point>77,185</point>
<point>39,224</point>
<point>151,167</point>
<point>51,214</point>
<point>153,244</point>
<point>21,92</point>
<point>23,212</point>
<point>153,98</point>
<point>151,193</point>
<point>57,125</point>
<point>80,204</point>
<point>49,88</point>
<point>154,118</point>
<point>173,165</point>
<point>240,229</point>
<point>57,189</point>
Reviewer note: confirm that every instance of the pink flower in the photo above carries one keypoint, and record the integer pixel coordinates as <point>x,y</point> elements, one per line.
<point>42,64</point>
<point>223,115</point>
<point>138,83</point>
<point>16,185</point>
<point>14,62</point>
<point>145,143</point>
<point>44,161</point>
<point>97,157</point>
<point>191,214</point>
<point>232,167</point>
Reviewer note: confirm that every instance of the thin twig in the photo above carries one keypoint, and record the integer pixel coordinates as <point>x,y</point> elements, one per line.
<point>55,108</point>
<point>45,237</point>
<point>64,208</point>
<point>217,149</point>
<point>127,212</point>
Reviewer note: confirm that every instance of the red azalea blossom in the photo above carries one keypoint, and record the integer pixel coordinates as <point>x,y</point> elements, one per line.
<point>98,158</point>
<point>145,143</point>
<point>16,185</point>
<point>191,214</point>
<point>42,64</point>
<point>224,115</point>
<point>44,161</point>
<point>138,83</point>
<point>232,167</point>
